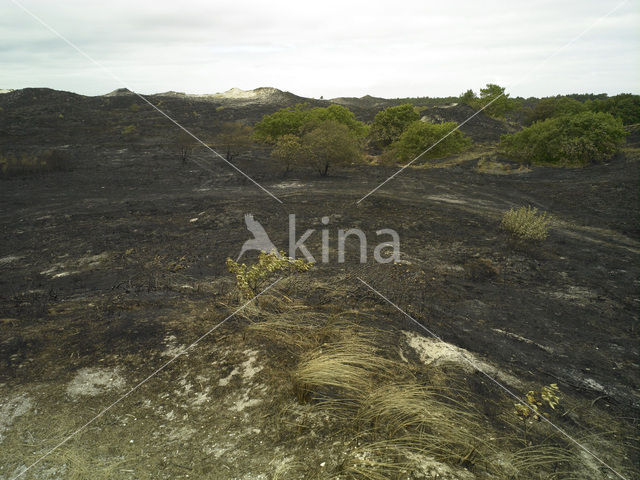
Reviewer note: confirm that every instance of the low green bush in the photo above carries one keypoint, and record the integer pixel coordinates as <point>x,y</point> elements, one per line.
<point>568,140</point>
<point>420,136</point>
<point>389,124</point>
<point>526,223</point>
<point>553,107</point>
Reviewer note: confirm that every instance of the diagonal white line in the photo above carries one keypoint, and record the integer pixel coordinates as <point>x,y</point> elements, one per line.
<point>139,384</point>
<point>518,82</point>
<point>500,385</point>
<point>144,99</point>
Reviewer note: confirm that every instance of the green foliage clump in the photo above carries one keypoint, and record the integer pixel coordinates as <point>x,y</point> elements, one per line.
<point>252,279</point>
<point>295,120</point>
<point>554,107</point>
<point>389,124</point>
<point>18,165</point>
<point>492,98</point>
<point>526,223</point>
<point>420,136</point>
<point>625,106</point>
<point>330,143</point>
<point>567,140</point>
<point>289,150</point>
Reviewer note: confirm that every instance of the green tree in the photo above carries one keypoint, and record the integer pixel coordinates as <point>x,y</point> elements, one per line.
<point>389,124</point>
<point>331,143</point>
<point>567,140</point>
<point>290,151</point>
<point>283,122</point>
<point>497,99</point>
<point>469,98</point>
<point>420,136</point>
<point>296,120</point>
<point>339,114</point>
<point>234,138</point>
<point>624,106</point>
<point>553,107</point>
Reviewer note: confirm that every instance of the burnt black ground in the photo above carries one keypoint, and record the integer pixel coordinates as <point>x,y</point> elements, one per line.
<point>564,311</point>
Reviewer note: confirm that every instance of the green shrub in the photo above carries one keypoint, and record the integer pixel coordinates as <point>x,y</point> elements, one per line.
<point>526,223</point>
<point>289,151</point>
<point>295,120</point>
<point>330,143</point>
<point>553,107</point>
<point>625,106</point>
<point>567,140</point>
<point>419,136</point>
<point>47,161</point>
<point>389,124</point>
<point>492,95</point>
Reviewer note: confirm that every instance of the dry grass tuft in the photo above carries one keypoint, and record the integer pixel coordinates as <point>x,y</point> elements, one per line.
<point>444,427</point>
<point>343,369</point>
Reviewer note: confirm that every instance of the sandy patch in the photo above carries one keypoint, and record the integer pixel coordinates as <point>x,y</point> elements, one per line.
<point>9,259</point>
<point>435,352</point>
<point>12,408</point>
<point>94,381</point>
<point>446,199</point>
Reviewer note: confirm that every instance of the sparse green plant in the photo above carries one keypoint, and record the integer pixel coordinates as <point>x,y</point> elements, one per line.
<point>134,107</point>
<point>233,138</point>
<point>128,130</point>
<point>251,279</point>
<point>527,223</point>
<point>28,164</point>
<point>536,405</point>
<point>184,145</point>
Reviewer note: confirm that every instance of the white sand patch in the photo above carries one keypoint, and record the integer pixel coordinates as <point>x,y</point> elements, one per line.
<point>435,352</point>
<point>9,259</point>
<point>429,468</point>
<point>286,185</point>
<point>223,382</point>
<point>93,260</point>
<point>12,408</point>
<point>249,368</point>
<point>575,294</point>
<point>245,401</point>
<point>59,270</point>
<point>94,381</point>
<point>173,349</point>
<point>246,369</point>
<point>446,199</point>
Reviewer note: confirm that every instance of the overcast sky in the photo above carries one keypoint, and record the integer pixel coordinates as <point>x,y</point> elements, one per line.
<point>331,48</point>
